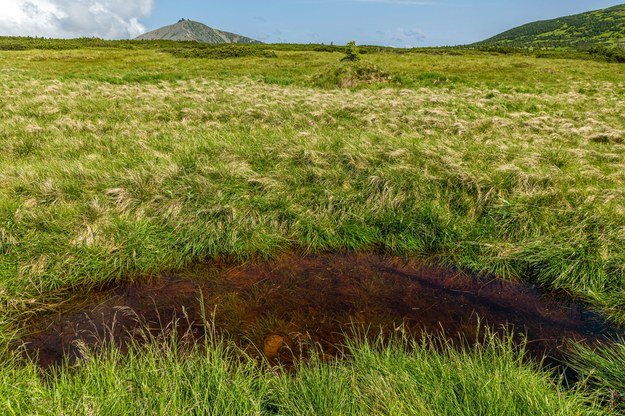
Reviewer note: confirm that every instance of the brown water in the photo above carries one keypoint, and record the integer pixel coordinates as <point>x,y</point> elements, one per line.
<point>277,308</point>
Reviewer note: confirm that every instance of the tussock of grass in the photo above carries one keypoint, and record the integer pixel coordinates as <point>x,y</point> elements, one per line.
<point>604,367</point>
<point>395,379</point>
<point>350,75</point>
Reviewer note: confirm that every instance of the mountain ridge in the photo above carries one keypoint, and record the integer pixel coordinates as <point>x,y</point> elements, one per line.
<point>189,31</point>
<point>598,27</point>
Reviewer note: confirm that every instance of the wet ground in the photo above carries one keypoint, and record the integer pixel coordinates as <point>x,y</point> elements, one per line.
<point>280,308</point>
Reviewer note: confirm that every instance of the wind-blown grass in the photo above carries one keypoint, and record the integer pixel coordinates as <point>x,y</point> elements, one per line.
<point>104,181</point>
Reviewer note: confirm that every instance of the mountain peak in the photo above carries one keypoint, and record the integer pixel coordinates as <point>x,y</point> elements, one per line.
<point>189,30</point>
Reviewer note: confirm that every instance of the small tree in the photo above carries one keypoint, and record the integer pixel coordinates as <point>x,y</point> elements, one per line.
<point>351,53</point>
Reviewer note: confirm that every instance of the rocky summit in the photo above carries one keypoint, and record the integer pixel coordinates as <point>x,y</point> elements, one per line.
<point>189,30</point>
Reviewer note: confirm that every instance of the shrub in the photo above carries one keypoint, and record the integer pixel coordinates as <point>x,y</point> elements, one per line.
<point>613,54</point>
<point>221,52</point>
<point>351,53</point>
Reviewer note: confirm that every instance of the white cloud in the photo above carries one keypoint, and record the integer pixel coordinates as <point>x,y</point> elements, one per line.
<point>401,37</point>
<point>108,19</point>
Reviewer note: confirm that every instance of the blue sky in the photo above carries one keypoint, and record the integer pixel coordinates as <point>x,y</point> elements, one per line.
<point>381,22</point>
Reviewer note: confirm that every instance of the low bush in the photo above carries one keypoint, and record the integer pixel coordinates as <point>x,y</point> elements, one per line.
<point>613,54</point>
<point>221,52</point>
<point>351,53</point>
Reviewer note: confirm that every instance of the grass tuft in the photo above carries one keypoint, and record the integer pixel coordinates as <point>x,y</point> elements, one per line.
<point>394,378</point>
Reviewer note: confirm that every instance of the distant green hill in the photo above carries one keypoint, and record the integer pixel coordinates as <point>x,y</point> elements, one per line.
<point>188,30</point>
<point>600,27</point>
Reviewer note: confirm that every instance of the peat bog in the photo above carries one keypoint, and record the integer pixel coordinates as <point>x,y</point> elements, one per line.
<point>284,307</point>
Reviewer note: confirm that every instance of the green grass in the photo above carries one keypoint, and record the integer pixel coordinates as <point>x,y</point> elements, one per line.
<point>118,163</point>
<point>604,368</point>
<point>116,166</point>
<point>401,378</point>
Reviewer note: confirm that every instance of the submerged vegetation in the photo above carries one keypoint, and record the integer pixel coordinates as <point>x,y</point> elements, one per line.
<point>120,161</point>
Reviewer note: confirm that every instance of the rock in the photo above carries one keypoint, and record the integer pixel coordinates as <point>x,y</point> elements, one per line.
<point>272,345</point>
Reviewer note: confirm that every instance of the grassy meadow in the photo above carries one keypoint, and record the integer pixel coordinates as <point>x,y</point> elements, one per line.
<point>119,163</point>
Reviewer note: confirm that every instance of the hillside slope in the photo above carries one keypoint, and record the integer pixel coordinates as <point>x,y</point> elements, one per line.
<point>189,30</point>
<point>599,27</point>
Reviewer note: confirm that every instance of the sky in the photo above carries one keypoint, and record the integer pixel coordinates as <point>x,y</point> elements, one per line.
<point>401,23</point>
